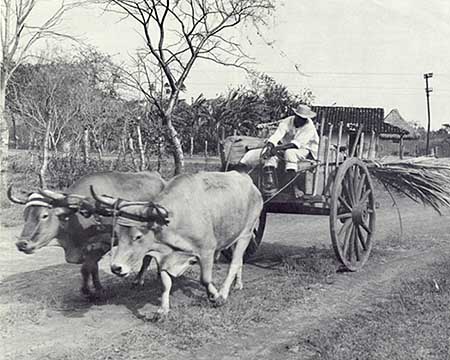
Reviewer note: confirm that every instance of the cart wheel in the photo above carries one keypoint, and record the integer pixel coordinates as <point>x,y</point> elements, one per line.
<point>252,247</point>
<point>352,214</point>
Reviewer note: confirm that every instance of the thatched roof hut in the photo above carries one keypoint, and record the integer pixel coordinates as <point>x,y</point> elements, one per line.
<point>407,131</point>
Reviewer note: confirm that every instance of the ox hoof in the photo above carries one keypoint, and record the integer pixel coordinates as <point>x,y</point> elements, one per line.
<point>99,293</point>
<point>86,291</point>
<point>158,316</point>
<point>219,301</point>
<point>238,286</point>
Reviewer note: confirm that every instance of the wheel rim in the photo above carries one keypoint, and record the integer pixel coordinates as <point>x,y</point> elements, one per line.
<point>352,214</point>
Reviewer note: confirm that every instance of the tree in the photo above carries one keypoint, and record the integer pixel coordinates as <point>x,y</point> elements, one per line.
<point>17,37</point>
<point>177,34</point>
<point>67,99</point>
<point>45,97</point>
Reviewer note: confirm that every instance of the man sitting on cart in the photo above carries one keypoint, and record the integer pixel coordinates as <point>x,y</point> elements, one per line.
<point>297,137</point>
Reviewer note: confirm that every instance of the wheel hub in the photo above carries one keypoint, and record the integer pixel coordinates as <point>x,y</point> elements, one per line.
<point>359,213</point>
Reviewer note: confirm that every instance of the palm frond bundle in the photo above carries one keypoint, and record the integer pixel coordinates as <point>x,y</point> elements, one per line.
<point>425,179</point>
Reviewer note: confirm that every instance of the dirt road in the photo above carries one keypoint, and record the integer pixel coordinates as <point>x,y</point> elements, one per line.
<point>43,316</point>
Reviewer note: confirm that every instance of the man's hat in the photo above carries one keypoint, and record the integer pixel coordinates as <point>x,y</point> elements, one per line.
<point>304,111</point>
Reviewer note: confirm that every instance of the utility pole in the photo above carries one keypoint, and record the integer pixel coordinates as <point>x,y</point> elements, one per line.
<point>427,92</point>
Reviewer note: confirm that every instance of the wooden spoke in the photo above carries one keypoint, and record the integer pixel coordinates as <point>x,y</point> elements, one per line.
<point>347,191</point>
<point>360,186</point>
<point>347,223</point>
<point>343,201</point>
<point>365,196</point>
<point>365,227</point>
<point>347,237</point>
<point>355,239</point>
<point>351,190</point>
<point>344,216</point>
<point>356,177</point>
<point>351,244</point>
<point>361,239</point>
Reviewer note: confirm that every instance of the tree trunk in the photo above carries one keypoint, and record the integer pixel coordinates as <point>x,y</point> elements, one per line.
<point>4,139</point>
<point>86,145</point>
<point>98,146</point>
<point>45,156</point>
<point>14,133</point>
<point>132,152</point>
<point>172,134</point>
<point>140,148</point>
<point>178,156</point>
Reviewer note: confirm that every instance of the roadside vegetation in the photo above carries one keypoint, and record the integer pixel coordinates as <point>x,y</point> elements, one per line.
<point>411,322</point>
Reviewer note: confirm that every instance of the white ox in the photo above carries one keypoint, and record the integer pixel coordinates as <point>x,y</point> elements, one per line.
<point>192,218</point>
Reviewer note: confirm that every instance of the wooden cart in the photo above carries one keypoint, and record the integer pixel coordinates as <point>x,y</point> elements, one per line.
<point>337,185</point>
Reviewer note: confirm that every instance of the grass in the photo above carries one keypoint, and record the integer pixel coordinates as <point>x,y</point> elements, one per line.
<point>410,323</point>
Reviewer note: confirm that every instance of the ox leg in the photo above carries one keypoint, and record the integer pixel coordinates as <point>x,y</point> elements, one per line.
<point>85,273</point>
<point>165,297</point>
<point>139,279</point>
<point>92,259</point>
<point>206,267</point>
<point>238,281</point>
<point>95,277</point>
<point>235,270</point>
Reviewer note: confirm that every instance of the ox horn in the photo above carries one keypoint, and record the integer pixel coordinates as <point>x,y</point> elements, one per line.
<point>52,194</point>
<point>105,200</point>
<point>12,198</point>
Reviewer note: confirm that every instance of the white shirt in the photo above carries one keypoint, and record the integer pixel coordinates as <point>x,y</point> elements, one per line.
<point>304,137</point>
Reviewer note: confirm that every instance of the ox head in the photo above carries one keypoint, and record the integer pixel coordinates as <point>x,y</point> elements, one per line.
<point>134,226</point>
<point>48,215</point>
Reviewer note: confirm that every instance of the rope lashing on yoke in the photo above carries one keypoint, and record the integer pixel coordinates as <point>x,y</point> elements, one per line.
<point>153,212</point>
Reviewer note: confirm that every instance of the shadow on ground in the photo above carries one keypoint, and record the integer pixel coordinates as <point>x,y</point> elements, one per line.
<point>57,286</point>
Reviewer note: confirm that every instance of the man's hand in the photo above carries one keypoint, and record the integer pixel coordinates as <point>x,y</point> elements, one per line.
<point>268,151</point>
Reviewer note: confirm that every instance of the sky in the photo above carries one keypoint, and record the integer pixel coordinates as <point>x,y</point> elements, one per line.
<point>363,53</point>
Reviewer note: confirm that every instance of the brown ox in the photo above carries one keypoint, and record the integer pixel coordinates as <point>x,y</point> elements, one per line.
<point>84,236</point>
<point>192,218</point>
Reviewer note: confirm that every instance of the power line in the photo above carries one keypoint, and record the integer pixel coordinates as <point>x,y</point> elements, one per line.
<point>213,83</point>
<point>332,73</point>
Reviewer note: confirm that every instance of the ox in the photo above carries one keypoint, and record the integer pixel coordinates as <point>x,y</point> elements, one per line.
<point>192,218</point>
<point>71,218</point>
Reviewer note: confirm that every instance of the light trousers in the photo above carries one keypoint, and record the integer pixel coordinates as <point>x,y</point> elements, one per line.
<point>291,157</point>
